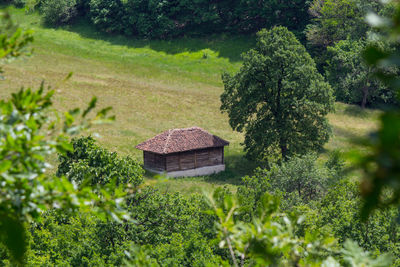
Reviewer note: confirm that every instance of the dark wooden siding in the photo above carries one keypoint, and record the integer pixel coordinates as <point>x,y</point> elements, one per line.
<point>187,160</point>
<point>195,159</point>
<point>216,156</point>
<point>173,162</point>
<point>202,158</point>
<point>154,161</point>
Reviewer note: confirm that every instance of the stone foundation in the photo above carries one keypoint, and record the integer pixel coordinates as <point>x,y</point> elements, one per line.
<point>194,172</point>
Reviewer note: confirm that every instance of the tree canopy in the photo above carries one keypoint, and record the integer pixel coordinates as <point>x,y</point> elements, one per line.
<point>352,79</point>
<point>278,98</point>
<point>88,160</point>
<point>335,20</point>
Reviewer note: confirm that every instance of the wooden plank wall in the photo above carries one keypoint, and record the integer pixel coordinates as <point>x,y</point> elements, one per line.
<point>173,162</point>
<point>202,158</point>
<point>216,156</point>
<point>187,160</point>
<point>154,161</point>
<point>194,159</point>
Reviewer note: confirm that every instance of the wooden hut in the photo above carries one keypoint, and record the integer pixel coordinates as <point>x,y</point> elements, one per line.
<point>184,152</point>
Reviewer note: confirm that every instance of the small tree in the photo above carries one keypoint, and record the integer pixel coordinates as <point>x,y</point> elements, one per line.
<point>278,98</point>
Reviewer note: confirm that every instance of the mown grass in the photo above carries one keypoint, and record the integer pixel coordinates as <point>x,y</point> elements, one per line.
<point>153,86</point>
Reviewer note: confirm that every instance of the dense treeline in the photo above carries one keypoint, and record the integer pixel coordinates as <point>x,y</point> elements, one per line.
<point>172,18</point>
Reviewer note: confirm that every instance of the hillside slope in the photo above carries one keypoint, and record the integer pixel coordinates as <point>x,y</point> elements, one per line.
<point>152,86</point>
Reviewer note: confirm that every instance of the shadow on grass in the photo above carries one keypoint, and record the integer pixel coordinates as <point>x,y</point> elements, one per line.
<point>226,46</point>
<point>356,111</point>
<point>346,134</point>
<point>236,167</point>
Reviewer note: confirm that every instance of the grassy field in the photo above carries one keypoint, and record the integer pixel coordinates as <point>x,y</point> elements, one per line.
<point>152,86</point>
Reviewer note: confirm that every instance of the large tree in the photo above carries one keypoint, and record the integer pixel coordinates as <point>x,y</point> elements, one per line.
<point>278,98</point>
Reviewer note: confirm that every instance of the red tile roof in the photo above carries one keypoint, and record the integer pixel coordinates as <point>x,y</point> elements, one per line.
<point>179,140</point>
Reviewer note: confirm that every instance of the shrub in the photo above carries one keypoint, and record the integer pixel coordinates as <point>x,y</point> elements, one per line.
<point>107,15</point>
<point>57,12</point>
<point>19,3</point>
<point>89,160</point>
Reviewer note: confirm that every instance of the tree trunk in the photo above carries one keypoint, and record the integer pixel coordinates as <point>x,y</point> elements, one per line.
<point>365,95</point>
<point>284,151</point>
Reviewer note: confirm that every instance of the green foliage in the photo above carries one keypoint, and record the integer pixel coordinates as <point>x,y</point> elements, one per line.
<point>57,12</point>
<point>334,209</point>
<point>270,238</point>
<point>380,233</point>
<point>335,20</point>
<point>13,40</point>
<point>176,228</point>
<point>273,238</point>
<point>91,163</point>
<point>107,15</point>
<point>168,229</point>
<point>381,164</point>
<point>352,79</point>
<point>26,189</point>
<point>335,164</point>
<point>19,3</point>
<point>65,240</point>
<point>353,255</point>
<point>29,133</point>
<point>173,230</point>
<point>171,18</point>
<point>161,215</point>
<point>301,177</point>
<point>278,98</point>
<point>298,181</point>
<point>139,256</point>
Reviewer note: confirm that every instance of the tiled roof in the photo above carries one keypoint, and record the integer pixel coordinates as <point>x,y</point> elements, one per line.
<point>179,140</point>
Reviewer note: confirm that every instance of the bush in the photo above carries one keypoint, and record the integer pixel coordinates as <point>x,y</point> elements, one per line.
<point>90,162</point>
<point>298,181</point>
<point>58,12</point>
<point>107,15</point>
<point>19,3</point>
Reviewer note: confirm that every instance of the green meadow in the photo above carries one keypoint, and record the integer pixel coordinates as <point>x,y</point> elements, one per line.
<point>153,86</point>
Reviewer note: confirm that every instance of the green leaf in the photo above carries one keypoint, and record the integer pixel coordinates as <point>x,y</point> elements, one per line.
<point>373,55</point>
<point>5,165</point>
<point>12,234</point>
<point>91,106</point>
<point>68,76</point>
